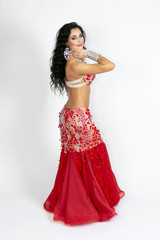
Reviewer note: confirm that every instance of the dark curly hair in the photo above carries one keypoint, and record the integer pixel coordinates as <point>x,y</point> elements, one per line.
<point>58,61</point>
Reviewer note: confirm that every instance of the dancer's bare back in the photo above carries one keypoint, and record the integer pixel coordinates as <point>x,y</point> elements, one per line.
<point>79,97</point>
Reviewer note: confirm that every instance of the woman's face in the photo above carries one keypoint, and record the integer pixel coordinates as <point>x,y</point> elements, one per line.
<point>76,39</point>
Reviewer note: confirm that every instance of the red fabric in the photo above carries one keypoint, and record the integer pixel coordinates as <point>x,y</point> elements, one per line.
<point>85,188</point>
<point>89,78</point>
<point>78,131</point>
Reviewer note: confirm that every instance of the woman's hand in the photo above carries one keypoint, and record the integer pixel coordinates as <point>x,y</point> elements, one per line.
<point>78,53</point>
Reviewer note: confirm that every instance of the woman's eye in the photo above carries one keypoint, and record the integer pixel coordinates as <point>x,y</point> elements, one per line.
<point>74,37</point>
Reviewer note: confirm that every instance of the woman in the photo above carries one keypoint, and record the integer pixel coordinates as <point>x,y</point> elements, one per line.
<point>85,188</point>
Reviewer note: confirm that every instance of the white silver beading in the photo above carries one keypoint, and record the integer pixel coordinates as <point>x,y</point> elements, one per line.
<point>92,55</point>
<point>67,53</point>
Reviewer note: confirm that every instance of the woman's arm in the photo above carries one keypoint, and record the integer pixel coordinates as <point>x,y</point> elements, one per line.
<point>102,65</point>
<point>104,61</point>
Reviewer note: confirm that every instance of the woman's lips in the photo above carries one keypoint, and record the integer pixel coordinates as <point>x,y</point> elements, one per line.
<point>79,45</point>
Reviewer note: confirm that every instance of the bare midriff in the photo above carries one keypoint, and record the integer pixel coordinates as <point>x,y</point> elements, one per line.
<point>78,97</point>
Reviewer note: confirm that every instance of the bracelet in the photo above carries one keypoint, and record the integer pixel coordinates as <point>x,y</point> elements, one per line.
<point>92,55</point>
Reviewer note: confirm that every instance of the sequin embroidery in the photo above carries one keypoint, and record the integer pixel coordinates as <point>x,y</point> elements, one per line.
<point>77,129</point>
<point>89,78</point>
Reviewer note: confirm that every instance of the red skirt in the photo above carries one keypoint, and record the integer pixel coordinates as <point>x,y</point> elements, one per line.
<point>85,188</point>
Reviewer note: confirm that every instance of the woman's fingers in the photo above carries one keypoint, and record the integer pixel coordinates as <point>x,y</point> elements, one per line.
<point>76,52</point>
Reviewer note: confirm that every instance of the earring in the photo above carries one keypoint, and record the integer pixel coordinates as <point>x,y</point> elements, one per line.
<point>67,53</point>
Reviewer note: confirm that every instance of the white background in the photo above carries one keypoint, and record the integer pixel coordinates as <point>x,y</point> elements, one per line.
<point>125,104</point>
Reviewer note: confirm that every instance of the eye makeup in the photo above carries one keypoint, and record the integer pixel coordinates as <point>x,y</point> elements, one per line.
<point>73,38</point>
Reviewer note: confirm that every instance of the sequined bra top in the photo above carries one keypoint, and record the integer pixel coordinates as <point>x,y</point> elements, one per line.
<point>88,80</point>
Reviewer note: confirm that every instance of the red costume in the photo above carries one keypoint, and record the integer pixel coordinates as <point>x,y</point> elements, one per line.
<point>85,188</point>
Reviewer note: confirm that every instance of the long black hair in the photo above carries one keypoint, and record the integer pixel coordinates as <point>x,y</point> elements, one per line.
<point>58,61</point>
